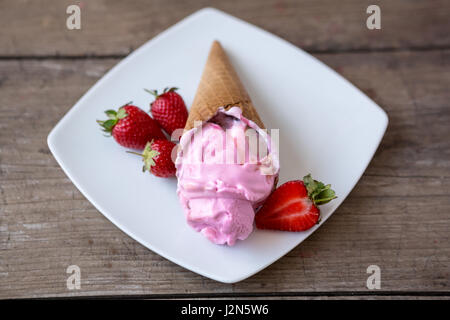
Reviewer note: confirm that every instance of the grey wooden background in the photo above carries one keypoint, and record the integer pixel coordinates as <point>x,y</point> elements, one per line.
<point>397,217</point>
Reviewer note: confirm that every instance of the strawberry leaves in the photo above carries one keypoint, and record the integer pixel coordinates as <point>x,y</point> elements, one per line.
<point>107,125</point>
<point>152,92</point>
<point>155,92</point>
<point>148,156</point>
<point>318,192</point>
<point>114,117</point>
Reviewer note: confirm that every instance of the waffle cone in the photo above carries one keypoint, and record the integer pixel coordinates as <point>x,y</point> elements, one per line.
<point>220,87</point>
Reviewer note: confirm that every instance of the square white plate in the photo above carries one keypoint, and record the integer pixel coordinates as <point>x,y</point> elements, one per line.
<point>327,127</point>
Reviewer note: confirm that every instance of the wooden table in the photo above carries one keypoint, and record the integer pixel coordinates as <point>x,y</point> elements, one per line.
<point>397,217</point>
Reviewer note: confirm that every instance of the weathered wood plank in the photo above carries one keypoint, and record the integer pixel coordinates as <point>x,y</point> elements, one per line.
<point>117,27</point>
<point>397,217</point>
<point>324,296</point>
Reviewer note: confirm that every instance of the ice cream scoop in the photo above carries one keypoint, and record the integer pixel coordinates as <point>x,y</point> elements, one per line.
<point>222,177</point>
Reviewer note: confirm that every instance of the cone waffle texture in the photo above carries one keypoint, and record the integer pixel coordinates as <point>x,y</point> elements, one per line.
<point>220,87</point>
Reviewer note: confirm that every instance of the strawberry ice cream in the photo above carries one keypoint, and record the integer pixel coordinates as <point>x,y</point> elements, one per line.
<point>226,168</point>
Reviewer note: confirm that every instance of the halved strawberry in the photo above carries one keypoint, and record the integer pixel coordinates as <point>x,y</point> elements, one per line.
<point>293,205</point>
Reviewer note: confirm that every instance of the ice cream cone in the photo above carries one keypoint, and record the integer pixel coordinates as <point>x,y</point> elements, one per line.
<point>220,87</point>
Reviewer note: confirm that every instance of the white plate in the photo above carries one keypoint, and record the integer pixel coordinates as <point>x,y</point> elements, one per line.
<point>327,127</point>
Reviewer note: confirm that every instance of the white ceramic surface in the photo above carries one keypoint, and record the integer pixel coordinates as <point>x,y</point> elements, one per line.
<point>327,127</point>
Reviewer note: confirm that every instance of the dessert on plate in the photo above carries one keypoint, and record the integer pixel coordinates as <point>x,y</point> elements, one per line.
<point>226,164</point>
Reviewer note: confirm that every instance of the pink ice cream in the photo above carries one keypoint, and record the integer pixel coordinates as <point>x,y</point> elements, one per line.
<point>224,176</point>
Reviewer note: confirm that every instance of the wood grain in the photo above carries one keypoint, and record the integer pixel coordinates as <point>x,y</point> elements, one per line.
<point>115,27</point>
<point>397,216</point>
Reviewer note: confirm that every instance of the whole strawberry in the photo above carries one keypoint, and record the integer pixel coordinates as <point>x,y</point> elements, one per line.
<point>157,157</point>
<point>293,205</point>
<point>131,127</point>
<point>169,110</point>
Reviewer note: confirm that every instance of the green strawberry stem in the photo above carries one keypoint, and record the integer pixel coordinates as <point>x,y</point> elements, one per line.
<point>136,153</point>
<point>155,92</point>
<point>114,117</point>
<point>147,156</point>
<point>152,92</point>
<point>318,192</point>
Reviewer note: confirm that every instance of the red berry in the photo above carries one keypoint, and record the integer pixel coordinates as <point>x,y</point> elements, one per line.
<point>169,110</point>
<point>157,158</point>
<point>293,205</point>
<point>131,127</point>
